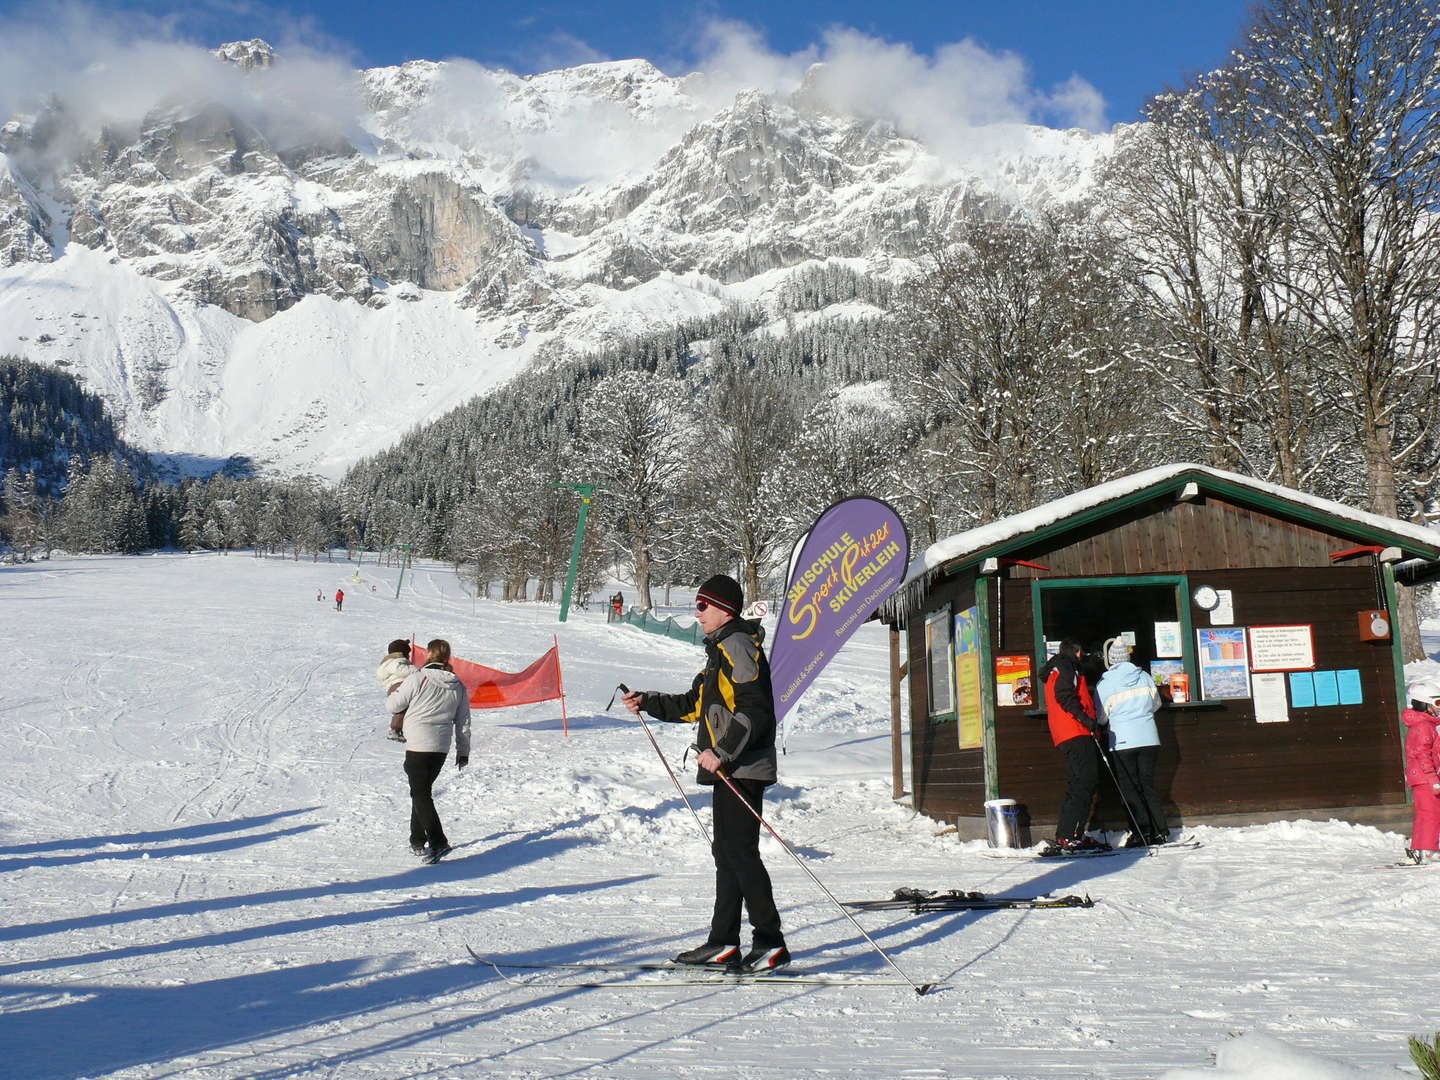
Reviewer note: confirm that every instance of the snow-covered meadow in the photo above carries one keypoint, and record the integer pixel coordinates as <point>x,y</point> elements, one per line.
<point>204,873</point>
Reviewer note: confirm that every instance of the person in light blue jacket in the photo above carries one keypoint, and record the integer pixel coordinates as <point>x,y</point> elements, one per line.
<point>1129,699</point>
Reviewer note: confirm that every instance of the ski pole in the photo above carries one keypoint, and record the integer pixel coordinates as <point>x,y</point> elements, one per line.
<point>1134,824</point>
<point>664,761</point>
<point>920,988</point>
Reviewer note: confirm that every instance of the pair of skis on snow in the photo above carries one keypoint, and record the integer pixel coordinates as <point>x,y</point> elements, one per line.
<point>1048,851</point>
<point>597,974</point>
<point>922,901</point>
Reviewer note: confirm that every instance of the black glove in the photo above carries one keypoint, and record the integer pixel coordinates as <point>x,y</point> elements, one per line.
<point>461,762</point>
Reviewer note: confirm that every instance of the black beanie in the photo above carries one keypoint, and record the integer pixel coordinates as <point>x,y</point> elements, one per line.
<point>724,592</point>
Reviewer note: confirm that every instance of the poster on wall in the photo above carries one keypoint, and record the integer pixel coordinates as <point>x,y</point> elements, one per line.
<point>1271,703</point>
<point>967,676</point>
<point>1282,648</point>
<point>1223,614</point>
<point>1224,663</point>
<point>1014,682</point>
<point>937,654</point>
<point>1162,670</point>
<point>1167,639</point>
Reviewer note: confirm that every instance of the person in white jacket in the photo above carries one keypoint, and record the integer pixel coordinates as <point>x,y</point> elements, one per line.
<point>436,707</point>
<point>393,671</point>
<point>1129,698</point>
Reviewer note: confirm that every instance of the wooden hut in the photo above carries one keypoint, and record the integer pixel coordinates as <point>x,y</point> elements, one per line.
<point>1264,612</point>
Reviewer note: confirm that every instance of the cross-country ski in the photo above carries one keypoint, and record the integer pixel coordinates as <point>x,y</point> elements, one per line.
<point>600,974</point>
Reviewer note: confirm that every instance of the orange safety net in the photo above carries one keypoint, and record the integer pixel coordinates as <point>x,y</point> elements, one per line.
<point>491,688</point>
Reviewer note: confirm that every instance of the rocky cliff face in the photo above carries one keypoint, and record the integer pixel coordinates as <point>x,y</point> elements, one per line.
<point>555,208</point>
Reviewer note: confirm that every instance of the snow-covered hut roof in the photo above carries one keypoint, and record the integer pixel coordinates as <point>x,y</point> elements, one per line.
<point>999,537</point>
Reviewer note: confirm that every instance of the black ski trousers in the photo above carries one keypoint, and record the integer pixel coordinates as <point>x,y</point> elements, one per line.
<point>1135,773</point>
<point>740,876</point>
<point>1082,776</point>
<point>421,769</point>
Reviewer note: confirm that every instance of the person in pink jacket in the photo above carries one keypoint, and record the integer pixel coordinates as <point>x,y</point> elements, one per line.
<point>1422,768</point>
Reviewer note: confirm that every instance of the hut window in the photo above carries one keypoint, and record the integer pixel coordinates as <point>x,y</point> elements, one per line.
<point>939,667</point>
<point>1093,610</point>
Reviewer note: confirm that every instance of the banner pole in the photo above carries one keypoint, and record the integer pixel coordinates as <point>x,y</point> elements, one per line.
<point>560,683</point>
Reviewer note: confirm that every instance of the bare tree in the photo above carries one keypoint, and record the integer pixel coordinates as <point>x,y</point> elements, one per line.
<point>634,429</point>
<point>748,422</point>
<point>1350,91</point>
<point>1012,352</point>
<point>1201,196</point>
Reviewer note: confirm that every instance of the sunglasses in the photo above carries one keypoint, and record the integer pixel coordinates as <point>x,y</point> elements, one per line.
<point>702,605</point>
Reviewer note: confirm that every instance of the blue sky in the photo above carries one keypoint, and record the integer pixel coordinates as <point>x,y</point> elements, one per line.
<point>1124,49</point>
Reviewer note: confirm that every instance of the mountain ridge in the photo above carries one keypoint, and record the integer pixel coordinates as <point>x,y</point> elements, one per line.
<point>237,280</point>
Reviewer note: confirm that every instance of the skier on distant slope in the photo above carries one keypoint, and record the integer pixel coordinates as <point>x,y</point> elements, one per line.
<point>339,598</point>
<point>435,704</point>
<point>733,707</point>
<point>1422,768</point>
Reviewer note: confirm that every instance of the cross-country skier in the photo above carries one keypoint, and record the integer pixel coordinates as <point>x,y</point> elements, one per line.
<point>733,707</point>
<point>436,705</point>
<point>1422,768</point>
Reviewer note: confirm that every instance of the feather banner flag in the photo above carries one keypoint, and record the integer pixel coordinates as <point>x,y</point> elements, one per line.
<point>841,570</point>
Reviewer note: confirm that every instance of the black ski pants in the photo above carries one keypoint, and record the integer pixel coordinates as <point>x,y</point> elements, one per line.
<point>421,769</point>
<point>1135,773</point>
<point>740,876</point>
<point>1082,776</point>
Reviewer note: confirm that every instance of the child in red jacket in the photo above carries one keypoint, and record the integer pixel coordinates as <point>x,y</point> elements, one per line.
<point>1422,768</point>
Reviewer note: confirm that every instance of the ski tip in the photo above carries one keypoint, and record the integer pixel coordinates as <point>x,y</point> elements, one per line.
<point>925,988</point>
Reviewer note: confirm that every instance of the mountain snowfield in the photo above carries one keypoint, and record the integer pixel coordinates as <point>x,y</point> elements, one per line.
<point>204,872</point>
<point>237,279</point>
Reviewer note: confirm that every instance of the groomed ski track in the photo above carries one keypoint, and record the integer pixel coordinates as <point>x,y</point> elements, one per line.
<point>204,875</point>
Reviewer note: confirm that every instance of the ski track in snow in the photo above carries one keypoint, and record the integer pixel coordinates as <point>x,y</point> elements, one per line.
<point>204,871</point>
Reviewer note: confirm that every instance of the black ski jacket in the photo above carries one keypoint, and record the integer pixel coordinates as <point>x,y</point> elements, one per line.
<point>731,702</point>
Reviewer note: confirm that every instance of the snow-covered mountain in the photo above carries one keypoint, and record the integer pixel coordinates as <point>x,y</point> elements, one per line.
<point>299,273</point>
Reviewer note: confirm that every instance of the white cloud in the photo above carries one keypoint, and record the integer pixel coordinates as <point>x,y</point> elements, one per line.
<point>961,85</point>
<point>112,69</point>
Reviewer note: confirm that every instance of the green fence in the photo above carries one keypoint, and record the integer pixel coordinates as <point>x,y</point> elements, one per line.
<point>666,627</point>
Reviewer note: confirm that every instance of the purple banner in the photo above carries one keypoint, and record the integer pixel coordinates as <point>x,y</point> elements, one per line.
<point>850,561</point>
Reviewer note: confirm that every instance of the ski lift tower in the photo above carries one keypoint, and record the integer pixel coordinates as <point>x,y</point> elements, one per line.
<point>587,491</point>
<point>404,562</point>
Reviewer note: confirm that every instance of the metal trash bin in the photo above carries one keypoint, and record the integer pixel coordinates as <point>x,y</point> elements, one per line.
<point>1002,823</point>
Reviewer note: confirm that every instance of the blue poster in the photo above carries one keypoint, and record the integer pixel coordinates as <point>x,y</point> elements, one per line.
<point>1349,685</point>
<point>1302,689</point>
<point>1327,690</point>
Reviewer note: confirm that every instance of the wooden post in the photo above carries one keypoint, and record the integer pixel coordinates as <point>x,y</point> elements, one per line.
<point>897,756</point>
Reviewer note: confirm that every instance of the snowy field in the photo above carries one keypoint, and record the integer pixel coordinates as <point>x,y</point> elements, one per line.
<point>204,873</point>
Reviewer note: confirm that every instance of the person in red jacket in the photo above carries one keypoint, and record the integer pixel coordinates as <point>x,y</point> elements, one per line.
<point>1422,768</point>
<point>339,598</point>
<point>1071,710</point>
